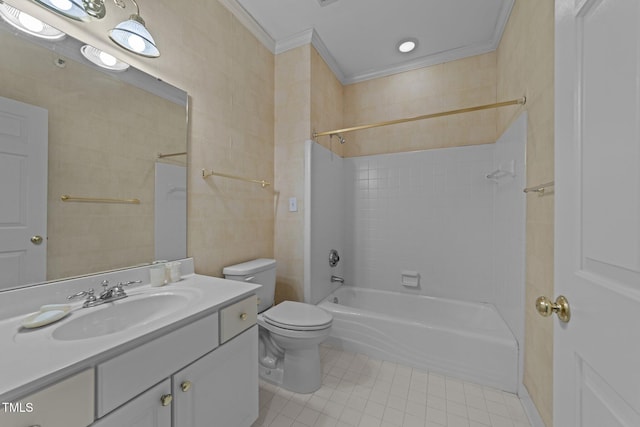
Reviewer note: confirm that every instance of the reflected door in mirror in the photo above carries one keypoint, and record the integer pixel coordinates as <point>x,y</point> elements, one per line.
<point>23,193</point>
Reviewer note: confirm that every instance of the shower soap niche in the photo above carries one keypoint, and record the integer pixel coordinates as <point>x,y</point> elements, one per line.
<point>410,279</point>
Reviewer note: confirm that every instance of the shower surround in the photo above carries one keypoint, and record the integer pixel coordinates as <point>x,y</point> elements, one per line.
<point>433,213</point>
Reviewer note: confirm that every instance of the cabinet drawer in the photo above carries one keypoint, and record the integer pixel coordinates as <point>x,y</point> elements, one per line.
<point>68,403</point>
<point>129,374</point>
<point>238,317</point>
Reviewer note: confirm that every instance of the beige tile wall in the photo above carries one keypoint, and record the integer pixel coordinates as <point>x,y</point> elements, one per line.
<point>452,85</point>
<point>308,97</point>
<point>99,152</point>
<point>229,76</point>
<point>292,128</point>
<point>327,102</point>
<point>525,63</point>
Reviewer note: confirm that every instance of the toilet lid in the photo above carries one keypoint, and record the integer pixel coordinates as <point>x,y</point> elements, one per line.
<point>298,316</point>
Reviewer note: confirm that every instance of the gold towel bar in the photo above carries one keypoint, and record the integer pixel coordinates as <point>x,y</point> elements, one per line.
<point>262,182</point>
<point>162,156</point>
<point>67,198</point>
<point>540,189</point>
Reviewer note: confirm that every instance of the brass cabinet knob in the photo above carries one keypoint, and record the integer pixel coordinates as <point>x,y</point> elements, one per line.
<point>185,386</point>
<point>546,308</point>
<point>36,240</point>
<point>166,399</point>
<point>243,316</point>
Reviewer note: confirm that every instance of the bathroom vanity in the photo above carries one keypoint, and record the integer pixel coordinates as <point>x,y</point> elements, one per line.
<point>187,356</point>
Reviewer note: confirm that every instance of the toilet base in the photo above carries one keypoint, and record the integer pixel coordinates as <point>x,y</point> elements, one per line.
<point>272,375</point>
<point>300,371</point>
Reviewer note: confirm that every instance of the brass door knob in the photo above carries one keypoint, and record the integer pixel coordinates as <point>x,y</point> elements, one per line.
<point>36,240</point>
<point>166,399</point>
<point>546,308</point>
<point>185,386</point>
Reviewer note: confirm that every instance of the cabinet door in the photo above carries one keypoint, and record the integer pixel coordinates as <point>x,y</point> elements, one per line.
<point>68,403</point>
<point>220,389</point>
<point>147,410</point>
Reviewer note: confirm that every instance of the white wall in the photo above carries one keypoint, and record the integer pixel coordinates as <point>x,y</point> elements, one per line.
<point>509,231</point>
<point>324,220</point>
<point>430,211</point>
<point>426,211</point>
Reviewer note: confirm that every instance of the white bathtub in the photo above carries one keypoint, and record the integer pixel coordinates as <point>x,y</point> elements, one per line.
<point>467,340</point>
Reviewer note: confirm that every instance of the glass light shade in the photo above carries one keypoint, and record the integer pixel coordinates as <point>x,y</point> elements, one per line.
<point>28,24</point>
<point>103,59</point>
<point>73,9</point>
<point>134,36</point>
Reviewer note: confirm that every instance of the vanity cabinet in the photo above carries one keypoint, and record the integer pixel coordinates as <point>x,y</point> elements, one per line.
<point>68,403</point>
<point>198,383</point>
<point>146,410</point>
<point>127,375</point>
<point>221,389</point>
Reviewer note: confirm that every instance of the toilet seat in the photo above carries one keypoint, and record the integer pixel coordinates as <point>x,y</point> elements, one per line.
<point>297,316</point>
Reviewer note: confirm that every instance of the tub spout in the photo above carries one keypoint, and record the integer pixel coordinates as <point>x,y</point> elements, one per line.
<point>335,279</point>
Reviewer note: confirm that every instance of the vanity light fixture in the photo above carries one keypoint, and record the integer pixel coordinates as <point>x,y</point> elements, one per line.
<point>407,45</point>
<point>80,10</point>
<point>28,24</point>
<point>134,36</point>
<point>103,59</point>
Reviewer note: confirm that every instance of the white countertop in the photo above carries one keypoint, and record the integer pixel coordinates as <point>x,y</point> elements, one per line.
<point>31,359</point>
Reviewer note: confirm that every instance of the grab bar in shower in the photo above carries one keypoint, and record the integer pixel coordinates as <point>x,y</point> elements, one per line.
<point>506,169</point>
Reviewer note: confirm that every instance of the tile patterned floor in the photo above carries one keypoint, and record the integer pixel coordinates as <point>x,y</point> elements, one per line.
<point>363,392</point>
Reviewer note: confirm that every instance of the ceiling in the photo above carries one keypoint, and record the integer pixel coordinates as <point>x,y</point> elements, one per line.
<point>358,38</point>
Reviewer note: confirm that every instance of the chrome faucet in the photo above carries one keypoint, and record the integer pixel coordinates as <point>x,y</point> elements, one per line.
<point>337,279</point>
<point>108,294</point>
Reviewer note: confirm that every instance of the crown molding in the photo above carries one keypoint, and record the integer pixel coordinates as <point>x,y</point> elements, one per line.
<point>250,23</point>
<point>310,36</point>
<point>296,40</point>
<point>424,61</point>
<point>319,45</point>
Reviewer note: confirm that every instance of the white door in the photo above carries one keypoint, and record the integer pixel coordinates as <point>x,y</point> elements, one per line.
<point>23,193</point>
<point>597,195</point>
<point>170,211</point>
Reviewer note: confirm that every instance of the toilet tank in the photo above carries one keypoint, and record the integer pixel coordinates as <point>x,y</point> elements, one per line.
<point>260,271</point>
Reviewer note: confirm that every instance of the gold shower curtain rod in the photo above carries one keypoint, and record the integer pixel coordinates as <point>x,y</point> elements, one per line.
<point>519,101</point>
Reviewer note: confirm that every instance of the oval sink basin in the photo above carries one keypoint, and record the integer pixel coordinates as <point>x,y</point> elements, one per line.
<point>119,315</point>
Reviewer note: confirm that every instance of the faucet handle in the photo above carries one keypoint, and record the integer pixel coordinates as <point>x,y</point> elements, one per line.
<point>89,294</point>
<point>130,282</point>
<point>105,284</point>
<point>119,287</point>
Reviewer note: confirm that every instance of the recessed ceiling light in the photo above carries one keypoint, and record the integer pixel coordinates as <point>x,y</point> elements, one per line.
<point>407,45</point>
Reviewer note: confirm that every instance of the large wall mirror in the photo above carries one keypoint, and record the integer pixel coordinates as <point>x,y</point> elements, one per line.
<point>116,144</point>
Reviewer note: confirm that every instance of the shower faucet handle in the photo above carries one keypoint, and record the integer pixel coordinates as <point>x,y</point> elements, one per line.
<point>334,258</point>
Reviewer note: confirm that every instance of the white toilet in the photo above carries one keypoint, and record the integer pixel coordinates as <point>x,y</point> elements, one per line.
<point>290,332</point>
